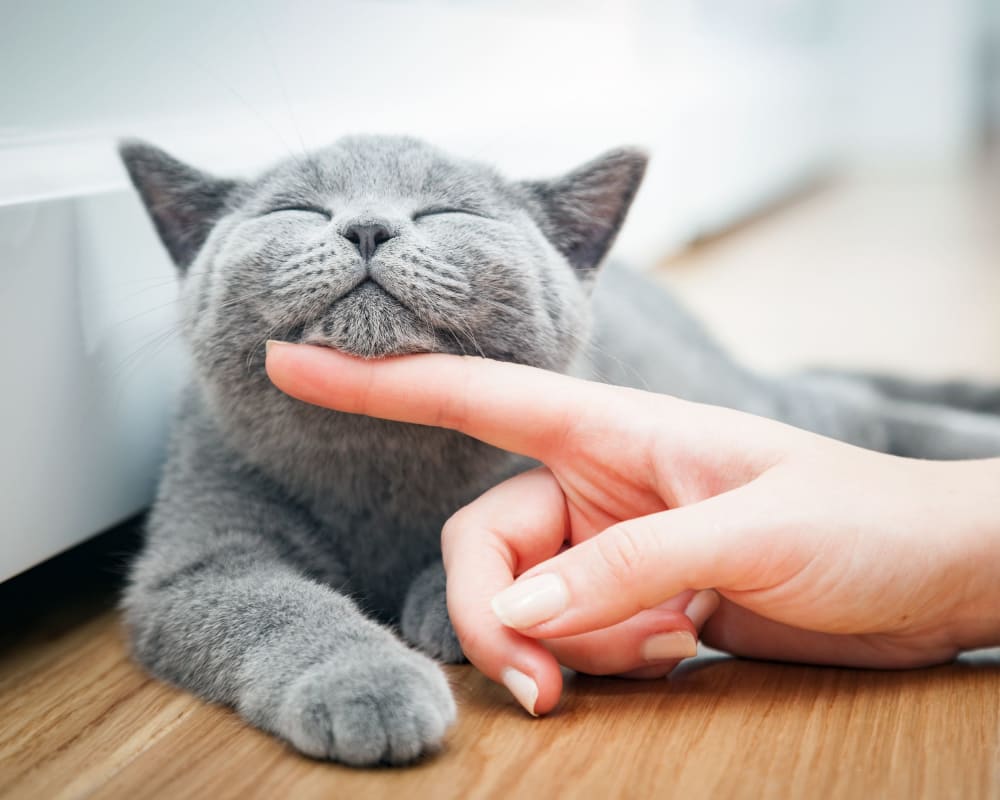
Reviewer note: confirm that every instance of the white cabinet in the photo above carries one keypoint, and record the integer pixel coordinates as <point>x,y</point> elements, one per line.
<point>90,370</point>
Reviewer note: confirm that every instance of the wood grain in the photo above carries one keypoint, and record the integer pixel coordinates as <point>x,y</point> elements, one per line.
<point>80,720</point>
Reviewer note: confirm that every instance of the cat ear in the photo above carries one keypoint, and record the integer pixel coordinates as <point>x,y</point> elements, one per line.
<point>583,211</point>
<point>184,203</point>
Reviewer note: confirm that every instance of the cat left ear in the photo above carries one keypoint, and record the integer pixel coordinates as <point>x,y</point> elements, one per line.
<point>583,211</point>
<point>183,202</point>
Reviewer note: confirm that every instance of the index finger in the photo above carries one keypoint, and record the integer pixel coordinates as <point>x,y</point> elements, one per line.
<point>522,409</point>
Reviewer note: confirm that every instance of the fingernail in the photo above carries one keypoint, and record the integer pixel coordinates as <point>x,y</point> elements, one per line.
<point>701,607</point>
<point>524,689</point>
<point>669,646</point>
<point>267,345</point>
<point>531,602</point>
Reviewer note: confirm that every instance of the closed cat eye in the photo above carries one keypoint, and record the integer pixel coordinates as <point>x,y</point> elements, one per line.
<point>304,209</point>
<point>433,212</point>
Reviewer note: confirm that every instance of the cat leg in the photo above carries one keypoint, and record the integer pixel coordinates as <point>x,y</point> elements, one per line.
<point>852,411</point>
<point>425,622</point>
<point>919,430</point>
<point>975,396</point>
<point>227,617</point>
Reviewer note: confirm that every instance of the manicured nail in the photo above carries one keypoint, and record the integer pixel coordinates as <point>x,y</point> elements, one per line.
<point>701,607</point>
<point>669,646</point>
<point>536,600</point>
<point>524,689</point>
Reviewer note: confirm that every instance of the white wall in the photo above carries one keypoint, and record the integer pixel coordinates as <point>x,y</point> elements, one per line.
<point>991,65</point>
<point>910,77</point>
<point>731,114</point>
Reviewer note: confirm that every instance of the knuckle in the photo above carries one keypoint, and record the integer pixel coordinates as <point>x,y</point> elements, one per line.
<point>473,643</point>
<point>452,536</point>
<point>451,529</point>
<point>457,525</point>
<point>621,551</point>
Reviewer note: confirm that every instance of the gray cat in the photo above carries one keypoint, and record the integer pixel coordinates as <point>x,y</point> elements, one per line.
<point>289,544</point>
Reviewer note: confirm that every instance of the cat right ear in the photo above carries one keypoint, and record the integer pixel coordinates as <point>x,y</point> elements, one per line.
<point>183,202</point>
<point>583,211</point>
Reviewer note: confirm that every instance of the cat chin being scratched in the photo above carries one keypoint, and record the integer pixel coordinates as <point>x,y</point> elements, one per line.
<point>292,564</point>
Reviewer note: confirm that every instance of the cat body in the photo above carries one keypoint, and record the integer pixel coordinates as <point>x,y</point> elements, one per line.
<point>289,544</point>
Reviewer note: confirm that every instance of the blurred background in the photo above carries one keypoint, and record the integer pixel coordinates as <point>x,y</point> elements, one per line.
<point>822,188</point>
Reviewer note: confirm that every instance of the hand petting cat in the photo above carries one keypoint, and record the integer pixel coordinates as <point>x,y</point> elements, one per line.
<point>681,520</point>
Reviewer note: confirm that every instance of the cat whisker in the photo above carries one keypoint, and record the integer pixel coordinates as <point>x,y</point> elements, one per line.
<point>425,271</point>
<point>254,350</point>
<point>144,353</point>
<point>472,339</point>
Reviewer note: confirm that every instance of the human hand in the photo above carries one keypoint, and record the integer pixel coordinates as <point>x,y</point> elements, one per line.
<point>821,552</point>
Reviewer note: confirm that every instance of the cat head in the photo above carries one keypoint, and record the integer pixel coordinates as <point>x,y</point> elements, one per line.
<point>384,245</point>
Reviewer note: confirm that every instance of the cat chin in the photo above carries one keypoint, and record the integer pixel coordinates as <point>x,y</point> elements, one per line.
<point>371,350</point>
<point>370,323</point>
<point>363,347</point>
<point>401,345</point>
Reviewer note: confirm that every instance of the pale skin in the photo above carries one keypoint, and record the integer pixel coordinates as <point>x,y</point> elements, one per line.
<point>654,521</point>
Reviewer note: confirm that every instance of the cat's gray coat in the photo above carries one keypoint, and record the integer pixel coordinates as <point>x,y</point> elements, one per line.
<point>288,542</point>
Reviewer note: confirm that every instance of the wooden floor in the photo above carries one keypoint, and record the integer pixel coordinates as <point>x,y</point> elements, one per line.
<point>80,720</point>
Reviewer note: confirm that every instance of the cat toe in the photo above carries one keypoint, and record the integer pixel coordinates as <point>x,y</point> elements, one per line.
<point>390,710</point>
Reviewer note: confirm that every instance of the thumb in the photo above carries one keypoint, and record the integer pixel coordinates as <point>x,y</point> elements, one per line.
<point>636,565</point>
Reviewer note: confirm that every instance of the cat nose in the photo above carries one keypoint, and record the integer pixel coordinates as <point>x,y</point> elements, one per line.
<point>367,237</point>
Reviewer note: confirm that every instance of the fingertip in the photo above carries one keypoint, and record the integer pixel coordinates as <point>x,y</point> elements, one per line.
<point>272,359</point>
<point>314,374</point>
<point>542,680</point>
<point>702,605</point>
<point>279,364</point>
<point>529,672</point>
<point>669,646</point>
<point>523,687</point>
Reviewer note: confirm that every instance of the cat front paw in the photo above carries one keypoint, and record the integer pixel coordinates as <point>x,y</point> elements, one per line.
<point>425,622</point>
<point>383,708</point>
